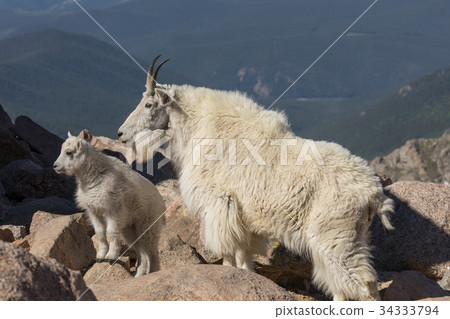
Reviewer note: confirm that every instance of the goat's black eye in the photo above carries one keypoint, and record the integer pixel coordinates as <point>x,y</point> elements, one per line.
<point>68,153</point>
<point>148,105</point>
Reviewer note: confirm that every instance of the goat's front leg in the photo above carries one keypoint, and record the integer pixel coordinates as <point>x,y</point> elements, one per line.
<point>100,230</point>
<point>113,234</point>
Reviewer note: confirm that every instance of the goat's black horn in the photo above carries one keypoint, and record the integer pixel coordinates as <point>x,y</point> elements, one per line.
<point>155,76</point>
<point>150,70</point>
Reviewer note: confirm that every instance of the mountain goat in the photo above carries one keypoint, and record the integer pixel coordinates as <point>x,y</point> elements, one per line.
<point>117,201</point>
<point>242,169</point>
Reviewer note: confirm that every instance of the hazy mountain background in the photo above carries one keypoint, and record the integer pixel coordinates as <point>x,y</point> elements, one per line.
<point>70,82</point>
<point>34,7</point>
<point>57,66</point>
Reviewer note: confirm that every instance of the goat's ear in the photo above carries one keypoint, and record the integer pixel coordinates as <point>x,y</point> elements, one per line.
<point>79,143</point>
<point>86,135</point>
<point>69,134</point>
<point>164,97</point>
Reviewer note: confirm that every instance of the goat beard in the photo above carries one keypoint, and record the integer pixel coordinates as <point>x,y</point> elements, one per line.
<point>145,144</point>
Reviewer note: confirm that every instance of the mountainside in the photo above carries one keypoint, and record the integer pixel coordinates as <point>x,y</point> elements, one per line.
<point>70,81</point>
<point>258,46</point>
<point>67,81</point>
<point>55,6</point>
<point>426,160</point>
<point>262,46</point>
<point>420,109</point>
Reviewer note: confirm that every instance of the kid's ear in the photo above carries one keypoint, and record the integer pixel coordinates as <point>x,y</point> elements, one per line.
<point>69,134</point>
<point>79,143</point>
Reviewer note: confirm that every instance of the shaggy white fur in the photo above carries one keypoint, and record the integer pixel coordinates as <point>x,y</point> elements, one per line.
<point>117,201</point>
<point>318,201</point>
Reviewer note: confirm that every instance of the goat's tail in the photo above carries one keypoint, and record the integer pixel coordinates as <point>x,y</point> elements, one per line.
<point>383,209</point>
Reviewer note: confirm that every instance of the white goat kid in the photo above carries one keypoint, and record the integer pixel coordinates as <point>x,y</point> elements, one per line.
<point>117,201</point>
<point>320,208</point>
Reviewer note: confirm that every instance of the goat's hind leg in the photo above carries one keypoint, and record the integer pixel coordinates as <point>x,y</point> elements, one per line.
<point>148,247</point>
<point>229,260</point>
<point>244,257</point>
<point>130,235</point>
<point>224,231</point>
<point>143,261</point>
<point>344,270</point>
<point>154,256</point>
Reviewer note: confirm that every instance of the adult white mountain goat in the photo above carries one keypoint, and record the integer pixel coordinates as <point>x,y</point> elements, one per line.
<point>242,169</point>
<point>117,201</point>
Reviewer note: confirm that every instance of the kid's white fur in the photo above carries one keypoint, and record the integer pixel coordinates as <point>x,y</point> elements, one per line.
<point>117,201</point>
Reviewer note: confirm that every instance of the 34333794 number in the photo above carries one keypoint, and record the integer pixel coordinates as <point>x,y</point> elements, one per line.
<point>409,310</point>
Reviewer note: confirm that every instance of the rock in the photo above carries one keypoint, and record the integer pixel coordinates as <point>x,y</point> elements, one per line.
<point>445,281</point>
<point>287,270</point>
<point>82,219</point>
<point>384,281</point>
<point>3,208</point>
<point>422,159</point>
<point>39,139</point>
<point>25,179</point>
<point>412,285</point>
<point>197,282</point>
<point>26,277</point>
<point>6,235</point>
<point>105,272</point>
<point>436,299</point>
<point>65,240</point>
<point>41,218</point>
<point>23,243</point>
<point>22,214</point>
<point>16,150</point>
<point>421,239</point>
<point>177,253</point>
<point>293,279</point>
<point>3,201</point>
<point>302,297</point>
<point>5,120</point>
<point>3,198</point>
<point>18,232</point>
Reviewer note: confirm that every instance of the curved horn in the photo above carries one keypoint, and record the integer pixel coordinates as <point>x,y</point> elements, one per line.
<point>155,76</point>
<point>150,70</point>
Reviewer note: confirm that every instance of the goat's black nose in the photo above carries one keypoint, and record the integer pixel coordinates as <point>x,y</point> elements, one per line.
<point>119,133</point>
<point>55,166</point>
